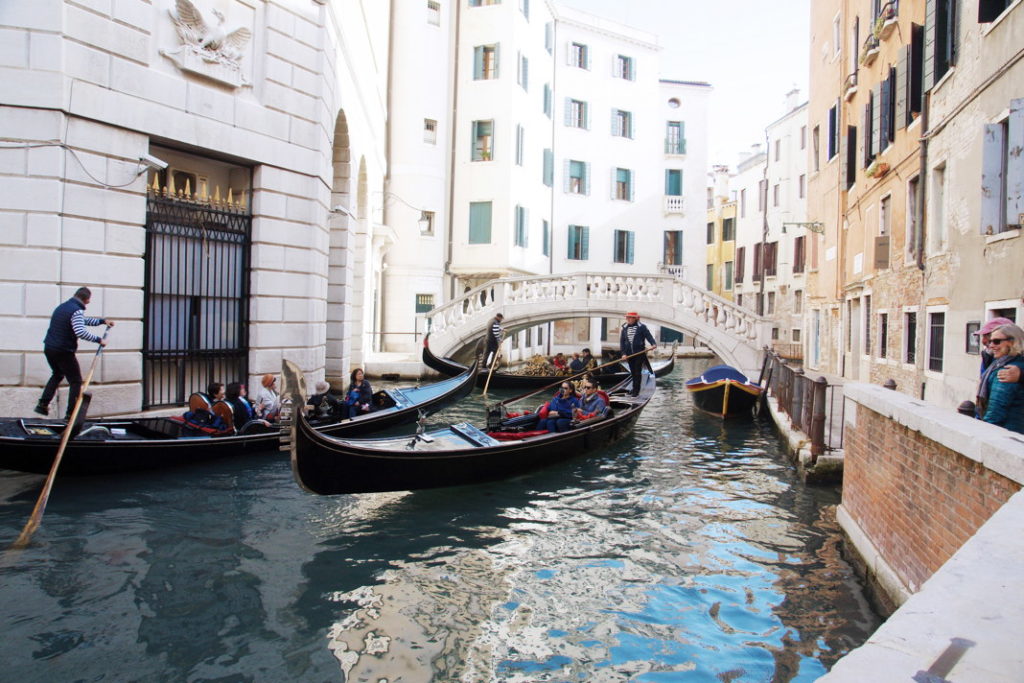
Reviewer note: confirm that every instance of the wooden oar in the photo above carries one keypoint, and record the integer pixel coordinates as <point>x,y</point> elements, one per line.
<point>497,355</point>
<point>569,378</point>
<point>37,512</point>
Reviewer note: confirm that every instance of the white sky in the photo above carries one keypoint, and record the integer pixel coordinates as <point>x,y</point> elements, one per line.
<point>751,51</point>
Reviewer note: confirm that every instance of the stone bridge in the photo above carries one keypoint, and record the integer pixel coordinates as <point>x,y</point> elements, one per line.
<point>735,334</point>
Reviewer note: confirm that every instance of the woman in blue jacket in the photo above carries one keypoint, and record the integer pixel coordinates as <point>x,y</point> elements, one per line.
<point>1002,403</point>
<point>560,410</point>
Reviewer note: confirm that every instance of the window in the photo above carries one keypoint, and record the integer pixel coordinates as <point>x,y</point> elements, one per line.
<point>424,303</point>
<point>883,335</point>
<point>762,194</point>
<point>972,342</point>
<point>521,227</point>
<point>524,7</point>
<point>833,131</point>
<point>520,133</point>
<point>577,177</point>
<point>545,238</point>
<point>622,124</point>
<point>523,72</point>
<point>727,275</point>
<point>673,182</point>
<point>427,223</point>
<point>758,251</point>
<point>989,10</point>
<point>743,203</point>
<point>870,129</point>
<point>624,67</point>
<point>775,334</point>
<point>741,260</point>
<point>851,157</point>
<point>775,195</point>
<point>796,335</point>
<point>941,41</point>
<point>771,304</point>
<point>771,253</point>
<point>884,215</point>
<point>867,325</point>
<point>482,140</point>
<point>673,251</point>
<point>803,137</point>
<point>801,186</point>
<point>547,100</point>
<point>711,233</point>
<point>798,302</point>
<point>836,36</point>
<point>479,222</point>
<point>936,335</point>
<point>485,62</point>
<point>549,167</point>
<point>480,3</point>
<point>576,114</point>
<point>778,149</point>
<point>579,243</point>
<point>710,276</point>
<point>913,213</point>
<point>430,131</point>
<point>675,142</point>
<point>622,184</point>
<point>799,254</point>
<point>910,84</point>
<point>623,246</point>
<point>887,113</point>
<point>816,146</point>
<point>909,337</point>
<point>549,37</point>
<point>433,13</point>
<point>728,229</point>
<point>937,210</point>
<point>579,55</point>
<point>1002,174</point>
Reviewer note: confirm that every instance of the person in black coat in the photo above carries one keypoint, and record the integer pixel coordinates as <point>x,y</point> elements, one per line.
<point>633,339</point>
<point>494,337</point>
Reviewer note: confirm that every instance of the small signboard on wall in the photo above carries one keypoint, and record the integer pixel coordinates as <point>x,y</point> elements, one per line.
<point>973,345</point>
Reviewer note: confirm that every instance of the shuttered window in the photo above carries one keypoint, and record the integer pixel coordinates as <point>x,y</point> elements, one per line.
<point>1002,179</point>
<point>480,222</point>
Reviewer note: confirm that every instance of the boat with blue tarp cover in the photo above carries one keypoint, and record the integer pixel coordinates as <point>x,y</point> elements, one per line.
<point>724,391</point>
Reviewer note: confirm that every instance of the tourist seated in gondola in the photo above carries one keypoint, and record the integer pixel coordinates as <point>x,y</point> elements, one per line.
<point>560,409</point>
<point>199,419</point>
<point>589,362</point>
<point>576,365</point>
<point>359,395</point>
<point>268,401</point>
<point>559,363</point>
<point>242,411</point>
<point>325,405</point>
<point>593,406</point>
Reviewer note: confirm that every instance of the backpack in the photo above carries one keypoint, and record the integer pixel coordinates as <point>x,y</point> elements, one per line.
<point>202,423</point>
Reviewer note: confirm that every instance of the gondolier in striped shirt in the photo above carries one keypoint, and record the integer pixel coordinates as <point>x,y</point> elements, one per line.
<point>632,339</point>
<point>67,326</point>
<point>494,337</point>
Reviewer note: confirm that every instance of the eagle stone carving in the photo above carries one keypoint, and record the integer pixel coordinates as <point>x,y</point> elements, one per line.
<point>213,43</point>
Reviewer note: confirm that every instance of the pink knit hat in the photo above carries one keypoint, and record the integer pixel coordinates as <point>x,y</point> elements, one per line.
<point>992,325</point>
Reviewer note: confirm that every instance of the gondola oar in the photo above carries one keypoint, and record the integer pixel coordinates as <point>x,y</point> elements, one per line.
<point>37,512</point>
<point>497,355</point>
<point>569,378</point>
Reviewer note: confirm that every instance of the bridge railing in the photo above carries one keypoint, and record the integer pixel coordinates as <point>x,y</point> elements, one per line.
<point>456,321</point>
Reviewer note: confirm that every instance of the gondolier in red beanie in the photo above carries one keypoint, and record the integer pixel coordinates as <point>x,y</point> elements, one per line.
<point>633,339</point>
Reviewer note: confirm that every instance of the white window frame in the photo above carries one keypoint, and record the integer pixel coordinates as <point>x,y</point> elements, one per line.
<point>946,347</point>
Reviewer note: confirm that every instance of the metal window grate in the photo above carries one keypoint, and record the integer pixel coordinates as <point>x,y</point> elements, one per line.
<point>196,324</point>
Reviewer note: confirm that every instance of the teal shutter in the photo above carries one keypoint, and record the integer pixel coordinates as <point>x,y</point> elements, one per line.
<point>876,120</point>
<point>480,223</point>
<point>549,167</point>
<point>586,243</point>
<point>497,60</point>
<point>586,178</point>
<point>566,175</point>
<point>571,242</point>
<point>478,62</point>
<point>632,185</point>
<point>629,246</point>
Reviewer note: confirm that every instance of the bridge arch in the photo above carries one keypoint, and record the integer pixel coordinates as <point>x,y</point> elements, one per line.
<point>735,334</point>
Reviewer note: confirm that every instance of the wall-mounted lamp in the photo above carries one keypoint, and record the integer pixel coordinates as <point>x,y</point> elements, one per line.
<point>813,226</point>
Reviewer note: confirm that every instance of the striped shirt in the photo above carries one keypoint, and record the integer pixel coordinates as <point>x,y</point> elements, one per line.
<point>78,324</point>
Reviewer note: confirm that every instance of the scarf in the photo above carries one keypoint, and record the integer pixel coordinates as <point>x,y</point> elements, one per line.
<point>992,368</point>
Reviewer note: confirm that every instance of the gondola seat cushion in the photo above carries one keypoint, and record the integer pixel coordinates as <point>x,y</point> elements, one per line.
<point>512,436</point>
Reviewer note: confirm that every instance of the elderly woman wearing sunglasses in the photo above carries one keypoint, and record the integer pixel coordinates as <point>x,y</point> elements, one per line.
<point>1002,403</point>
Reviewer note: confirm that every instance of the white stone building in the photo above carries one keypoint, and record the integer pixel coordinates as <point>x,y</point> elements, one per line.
<point>567,152</point>
<point>283,113</point>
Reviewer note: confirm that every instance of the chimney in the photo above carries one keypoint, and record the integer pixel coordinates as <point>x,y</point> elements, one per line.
<point>792,99</point>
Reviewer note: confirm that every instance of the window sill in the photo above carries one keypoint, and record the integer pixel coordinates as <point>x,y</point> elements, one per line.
<point>998,20</point>
<point>1005,235</point>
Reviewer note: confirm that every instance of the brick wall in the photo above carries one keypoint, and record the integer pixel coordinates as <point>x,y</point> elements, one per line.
<point>919,480</point>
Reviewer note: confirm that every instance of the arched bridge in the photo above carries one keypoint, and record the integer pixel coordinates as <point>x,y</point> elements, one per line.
<point>735,334</point>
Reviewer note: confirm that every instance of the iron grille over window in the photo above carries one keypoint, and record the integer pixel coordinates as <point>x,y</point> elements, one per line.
<point>196,325</point>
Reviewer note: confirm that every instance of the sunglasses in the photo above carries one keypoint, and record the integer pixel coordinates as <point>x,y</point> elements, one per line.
<point>993,340</point>
<point>588,386</point>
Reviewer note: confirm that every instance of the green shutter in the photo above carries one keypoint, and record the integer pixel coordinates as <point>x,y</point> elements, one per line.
<point>629,246</point>
<point>586,243</point>
<point>480,223</point>
<point>571,242</point>
<point>478,62</point>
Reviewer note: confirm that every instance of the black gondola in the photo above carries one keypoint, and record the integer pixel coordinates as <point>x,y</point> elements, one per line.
<point>724,391</point>
<point>451,456</point>
<point>110,446</point>
<point>507,380</point>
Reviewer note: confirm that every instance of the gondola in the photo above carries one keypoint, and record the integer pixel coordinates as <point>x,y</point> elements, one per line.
<point>111,446</point>
<point>724,391</point>
<point>506,380</point>
<point>456,455</point>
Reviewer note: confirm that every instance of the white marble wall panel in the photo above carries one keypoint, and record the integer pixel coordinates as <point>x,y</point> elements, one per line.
<point>14,47</point>
<point>42,230</point>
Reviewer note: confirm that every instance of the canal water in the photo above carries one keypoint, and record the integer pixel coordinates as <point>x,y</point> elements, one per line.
<point>688,552</point>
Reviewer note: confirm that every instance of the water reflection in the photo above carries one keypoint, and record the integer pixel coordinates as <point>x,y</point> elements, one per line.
<point>689,551</point>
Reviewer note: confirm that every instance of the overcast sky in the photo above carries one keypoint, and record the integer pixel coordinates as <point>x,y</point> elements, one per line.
<point>751,51</point>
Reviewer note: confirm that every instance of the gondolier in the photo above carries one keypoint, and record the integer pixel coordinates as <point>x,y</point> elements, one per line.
<point>633,339</point>
<point>494,337</point>
<point>67,326</point>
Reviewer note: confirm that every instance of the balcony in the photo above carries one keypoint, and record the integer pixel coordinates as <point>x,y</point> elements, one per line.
<point>885,22</point>
<point>673,204</point>
<point>869,52</point>
<point>675,147</point>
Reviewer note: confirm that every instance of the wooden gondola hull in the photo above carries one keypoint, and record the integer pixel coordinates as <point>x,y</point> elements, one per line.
<point>156,443</point>
<point>327,466</point>
<point>504,380</point>
<point>724,392</point>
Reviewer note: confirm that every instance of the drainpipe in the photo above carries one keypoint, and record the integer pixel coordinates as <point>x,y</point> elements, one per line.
<point>761,305</point>
<point>452,128</point>
<point>922,213</point>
